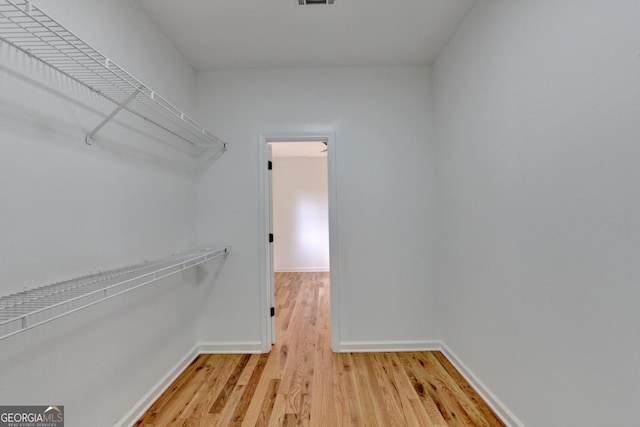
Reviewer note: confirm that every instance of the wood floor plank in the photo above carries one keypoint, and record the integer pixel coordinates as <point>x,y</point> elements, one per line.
<point>371,407</point>
<point>224,417</point>
<point>323,398</point>
<point>302,383</point>
<point>247,372</point>
<point>398,377</point>
<point>471,394</point>
<point>173,412</point>
<point>168,396</point>
<point>395,403</point>
<point>437,389</point>
<point>198,409</point>
<point>271,372</point>
<point>290,420</point>
<point>221,401</point>
<point>267,404</point>
<point>349,388</point>
<point>249,391</point>
<point>476,416</point>
<point>426,395</point>
<point>279,408</point>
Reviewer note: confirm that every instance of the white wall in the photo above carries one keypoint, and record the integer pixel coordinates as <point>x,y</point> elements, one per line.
<point>300,213</point>
<point>385,180</point>
<point>67,209</point>
<point>537,115</point>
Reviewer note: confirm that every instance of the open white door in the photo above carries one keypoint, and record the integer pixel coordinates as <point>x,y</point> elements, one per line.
<point>272,284</point>
<point>265,212</point>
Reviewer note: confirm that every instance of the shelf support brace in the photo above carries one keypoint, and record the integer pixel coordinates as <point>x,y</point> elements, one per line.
<point>89,138</point>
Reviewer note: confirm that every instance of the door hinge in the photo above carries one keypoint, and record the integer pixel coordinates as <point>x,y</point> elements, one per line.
<point>273,311</point>
<point>270,165</point>
<point>270,237</point>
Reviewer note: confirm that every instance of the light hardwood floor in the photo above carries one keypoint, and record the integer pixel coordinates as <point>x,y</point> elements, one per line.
<point>301,382</point>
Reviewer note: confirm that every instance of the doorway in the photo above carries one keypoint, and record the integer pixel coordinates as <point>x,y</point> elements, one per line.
<point>297,217</point>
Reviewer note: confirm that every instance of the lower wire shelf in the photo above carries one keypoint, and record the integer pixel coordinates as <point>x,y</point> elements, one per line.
<point>35,307</point>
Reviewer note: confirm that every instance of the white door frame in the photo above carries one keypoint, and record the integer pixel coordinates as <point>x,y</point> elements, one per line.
<point>265,282</point>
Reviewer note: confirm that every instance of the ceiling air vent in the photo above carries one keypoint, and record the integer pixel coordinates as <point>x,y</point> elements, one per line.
<point>308,2</point>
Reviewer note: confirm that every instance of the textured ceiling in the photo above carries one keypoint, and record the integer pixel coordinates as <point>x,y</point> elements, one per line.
<point>227,34</point>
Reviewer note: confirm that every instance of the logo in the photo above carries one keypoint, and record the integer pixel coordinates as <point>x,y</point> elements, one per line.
<point>32,416</point>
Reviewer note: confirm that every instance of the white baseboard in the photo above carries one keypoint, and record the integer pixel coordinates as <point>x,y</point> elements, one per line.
<point>492,400</point>
<point>303,270</point>
<point>156,391</point>
<point>239,347</point>
<point>387,346</point>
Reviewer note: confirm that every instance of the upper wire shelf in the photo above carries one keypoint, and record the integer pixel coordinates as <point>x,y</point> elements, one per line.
<point>35,307</point>
<point>29,29</point>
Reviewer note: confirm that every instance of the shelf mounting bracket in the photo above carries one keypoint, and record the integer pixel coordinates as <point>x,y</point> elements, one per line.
<point>89,138</point>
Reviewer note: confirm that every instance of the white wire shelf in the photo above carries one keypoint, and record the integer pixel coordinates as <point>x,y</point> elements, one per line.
<point>35,307</point>
<point>29,29</point>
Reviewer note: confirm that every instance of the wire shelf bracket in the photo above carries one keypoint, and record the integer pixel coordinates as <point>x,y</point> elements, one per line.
<point>32,31</point>
<point>34,307</point>
<point>89,138</point>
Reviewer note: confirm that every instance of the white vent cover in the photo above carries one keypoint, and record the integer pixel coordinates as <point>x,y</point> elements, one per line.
<point>309,2</point>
